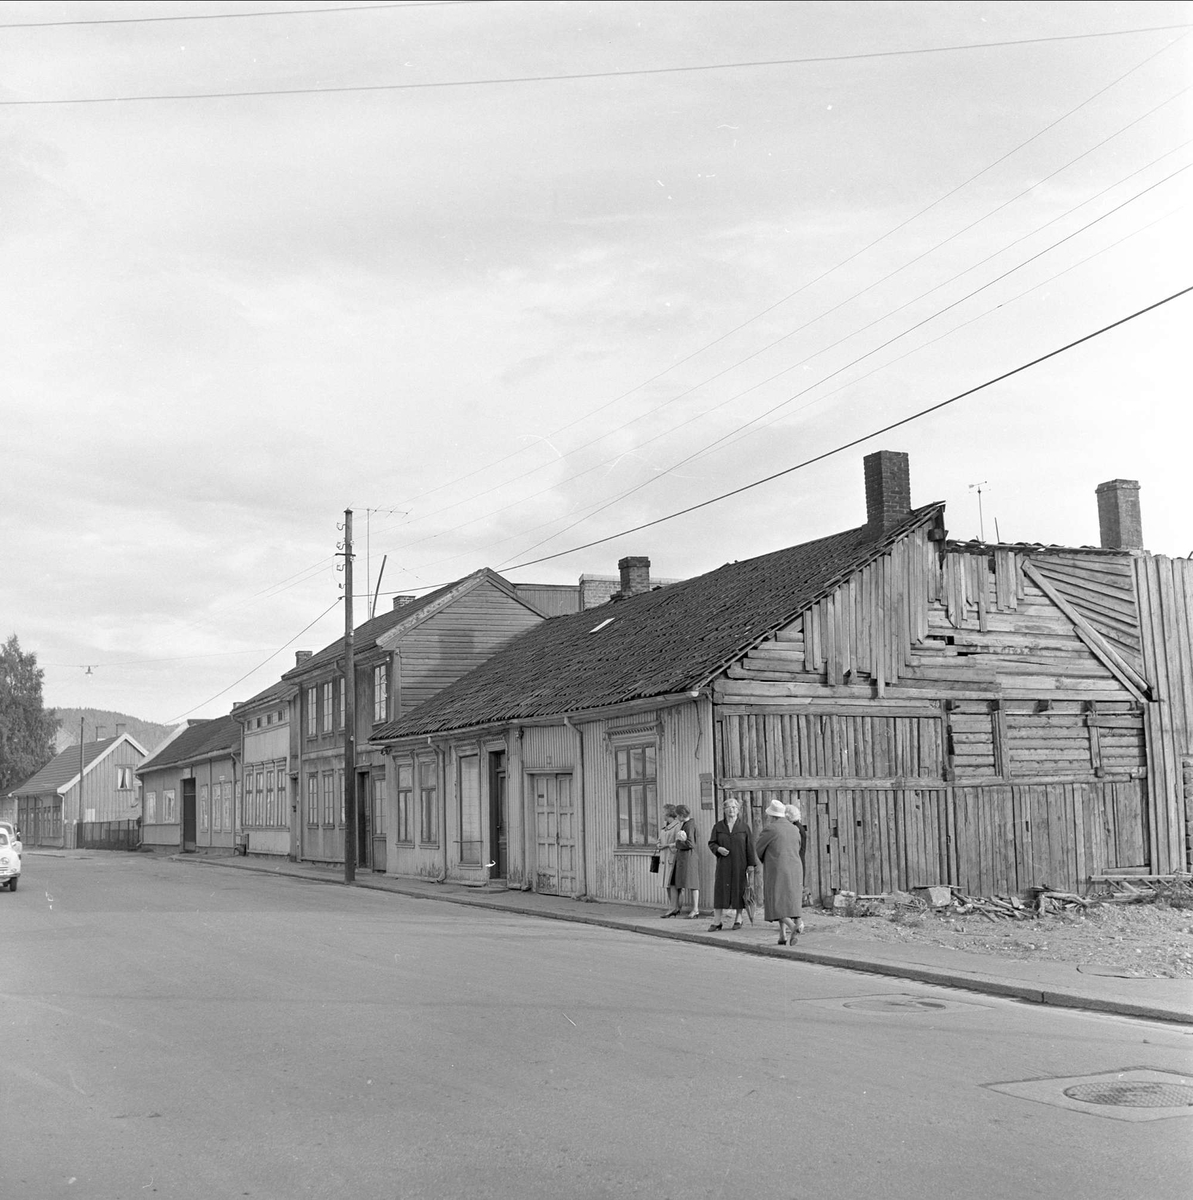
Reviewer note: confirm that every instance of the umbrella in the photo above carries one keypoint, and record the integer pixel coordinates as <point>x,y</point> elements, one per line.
<point>749,898</point>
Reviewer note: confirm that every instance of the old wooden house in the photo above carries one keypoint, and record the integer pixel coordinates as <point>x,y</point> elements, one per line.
<point>402,658</point>
<point>988,716</point>
<point>190,788</point>
<point>268,809</point>
<point>67,793</point>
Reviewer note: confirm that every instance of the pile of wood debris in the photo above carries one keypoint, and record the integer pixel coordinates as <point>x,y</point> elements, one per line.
<point>1036,902</point>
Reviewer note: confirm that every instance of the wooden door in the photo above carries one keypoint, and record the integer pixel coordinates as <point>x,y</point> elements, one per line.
<point>188,814</point>
<point>555,835</point>
<point>498,841</point>
<point>379,857</point>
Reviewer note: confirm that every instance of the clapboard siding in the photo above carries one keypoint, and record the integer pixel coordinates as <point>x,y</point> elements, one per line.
<point>456,639</point>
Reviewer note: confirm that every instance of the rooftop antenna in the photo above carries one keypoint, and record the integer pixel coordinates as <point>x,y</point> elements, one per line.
<point>981,522</point>
<point>388,512</point>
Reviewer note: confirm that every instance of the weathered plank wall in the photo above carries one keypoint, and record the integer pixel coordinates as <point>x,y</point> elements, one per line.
<point>973,717</point>
<point>1165,589</point>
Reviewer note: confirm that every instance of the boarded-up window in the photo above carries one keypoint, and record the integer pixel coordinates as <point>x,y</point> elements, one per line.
<point>637,795</point>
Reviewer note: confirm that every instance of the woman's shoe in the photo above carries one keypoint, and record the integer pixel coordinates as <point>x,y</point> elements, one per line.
<point>673,913</point>
<point>714,928</point>
<point>736,925</point>
<point>693,914</point>
<point>782,940</point>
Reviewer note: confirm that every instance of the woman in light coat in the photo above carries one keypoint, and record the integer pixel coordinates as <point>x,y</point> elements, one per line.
<point>783,874</point>
<point>667,855</point>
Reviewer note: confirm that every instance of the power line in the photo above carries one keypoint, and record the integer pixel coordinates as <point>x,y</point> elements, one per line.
<point>859,440</point>
<point>231,16</point>
<point>807,324</point>
<point>258,667</point>
<point>790,295</point>
<point>583,75</point>
<point>890,341</point>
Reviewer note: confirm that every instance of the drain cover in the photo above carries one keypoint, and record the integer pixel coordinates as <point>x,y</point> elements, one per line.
<point>900,1004</point>
<point>1134,1095</point>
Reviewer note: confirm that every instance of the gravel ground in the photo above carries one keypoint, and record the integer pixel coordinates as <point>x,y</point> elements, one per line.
<point>1120,939</point>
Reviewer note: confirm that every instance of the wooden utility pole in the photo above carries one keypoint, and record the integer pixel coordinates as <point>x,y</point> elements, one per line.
<point>82,767</point>
<point>349,686</point>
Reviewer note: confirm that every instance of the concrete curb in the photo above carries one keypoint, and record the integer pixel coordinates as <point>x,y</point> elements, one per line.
<point>939,977</point>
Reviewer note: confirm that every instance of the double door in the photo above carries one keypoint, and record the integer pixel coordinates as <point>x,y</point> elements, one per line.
<point>554,835</point>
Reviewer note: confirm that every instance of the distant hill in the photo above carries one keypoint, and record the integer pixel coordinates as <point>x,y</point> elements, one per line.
<point>148,733</point>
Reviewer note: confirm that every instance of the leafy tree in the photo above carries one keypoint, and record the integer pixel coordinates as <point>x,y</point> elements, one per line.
<point>26,728</point>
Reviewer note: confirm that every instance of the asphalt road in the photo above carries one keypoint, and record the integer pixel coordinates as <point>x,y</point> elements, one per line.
<point>184,1030</point>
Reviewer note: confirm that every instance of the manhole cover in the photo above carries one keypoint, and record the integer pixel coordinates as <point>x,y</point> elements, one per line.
<point>1140,1094</point>
<point>903,1004</point>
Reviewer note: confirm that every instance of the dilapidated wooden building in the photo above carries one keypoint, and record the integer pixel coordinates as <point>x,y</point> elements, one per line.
<point>989,716</point>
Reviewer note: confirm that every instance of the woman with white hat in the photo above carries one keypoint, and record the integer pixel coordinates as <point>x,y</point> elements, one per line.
<point>783,877</point>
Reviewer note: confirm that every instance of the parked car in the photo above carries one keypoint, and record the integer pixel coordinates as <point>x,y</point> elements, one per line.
<point>14,836</point>
<point>10,863</point>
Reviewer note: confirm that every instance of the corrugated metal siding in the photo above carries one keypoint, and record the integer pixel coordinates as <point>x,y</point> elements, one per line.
<point>550,747</point>
<point>456,639</point>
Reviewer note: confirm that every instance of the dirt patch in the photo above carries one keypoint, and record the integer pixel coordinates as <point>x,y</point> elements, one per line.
<point>1150,940</point>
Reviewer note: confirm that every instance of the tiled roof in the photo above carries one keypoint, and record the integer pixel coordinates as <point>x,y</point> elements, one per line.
<point>62,768</point>
<point>658,643</point>
<point>202,739</point>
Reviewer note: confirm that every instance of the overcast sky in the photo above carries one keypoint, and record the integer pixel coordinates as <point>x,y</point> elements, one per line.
<point>489,312</point>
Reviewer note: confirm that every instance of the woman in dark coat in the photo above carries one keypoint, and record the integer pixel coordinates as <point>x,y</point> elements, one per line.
<point>733,844</point>
<point>687,866</point>
<point>783,877</point>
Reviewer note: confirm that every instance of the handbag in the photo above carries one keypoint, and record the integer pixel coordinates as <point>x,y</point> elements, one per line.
<point>654,864</point>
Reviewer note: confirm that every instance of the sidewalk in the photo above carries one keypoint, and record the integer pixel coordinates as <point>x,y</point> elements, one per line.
<point>1052,983</point>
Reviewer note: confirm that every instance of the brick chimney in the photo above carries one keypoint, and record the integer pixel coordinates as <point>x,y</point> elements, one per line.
<point>888,487</point>
<point>635,575</point>
<point>1118,515</point>
<point>402,601</point>
<point>300,656</point>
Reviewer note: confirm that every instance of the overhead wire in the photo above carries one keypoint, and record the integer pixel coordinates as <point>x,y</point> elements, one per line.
<point>452,482</point>
<point>235,16</point>
<point>923,412</point>
<point>264,662</point>
<point>506,81</point>
<point>903,333</point>
<point>786,336</point>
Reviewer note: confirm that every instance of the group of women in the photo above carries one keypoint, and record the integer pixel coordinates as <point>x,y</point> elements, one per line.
<point>778,849</point>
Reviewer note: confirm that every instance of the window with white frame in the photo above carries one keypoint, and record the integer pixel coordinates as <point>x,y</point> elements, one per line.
<point>204,808</point>
<point>312,711</point>
<point>428,801</point>
<point>637,794</point>
<point>169,806</point>
<point>405,813</point>
<point>312,799</point>
<point>380,694</point>
<point>124,779</point>
<point>327,707</point>
<point>342,688</point>
<point>150,808</point>
<point>329,799</point>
